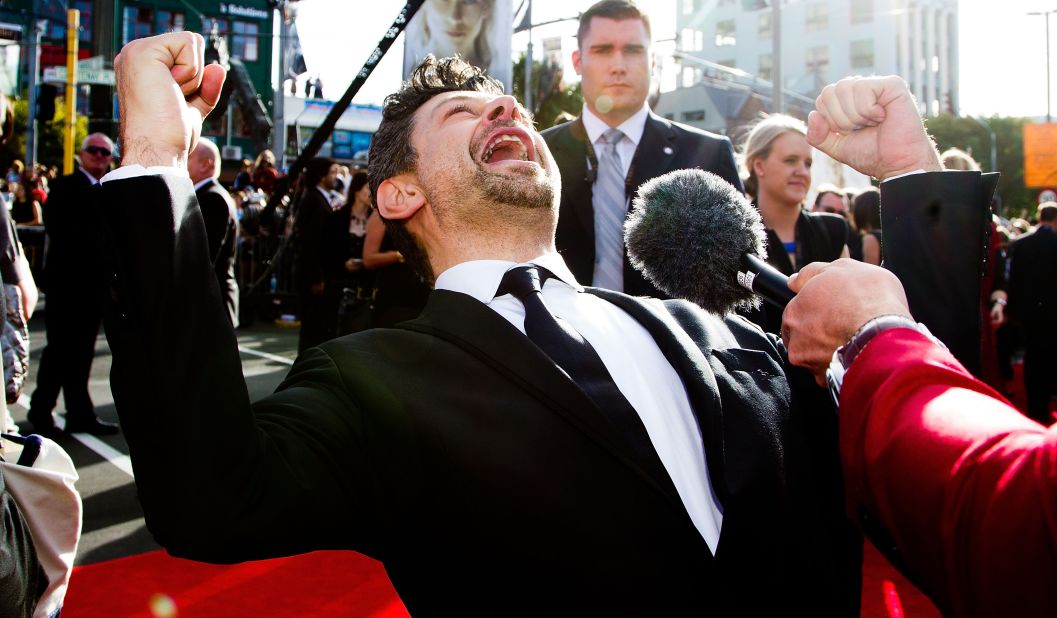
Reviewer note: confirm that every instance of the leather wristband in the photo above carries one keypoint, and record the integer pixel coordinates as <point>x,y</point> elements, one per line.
<point>845,355</point>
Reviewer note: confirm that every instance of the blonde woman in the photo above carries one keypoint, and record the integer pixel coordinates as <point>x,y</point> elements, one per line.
<point>777,164</point>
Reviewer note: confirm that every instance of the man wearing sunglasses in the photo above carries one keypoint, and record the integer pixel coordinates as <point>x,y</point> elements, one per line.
<point>71,318</point>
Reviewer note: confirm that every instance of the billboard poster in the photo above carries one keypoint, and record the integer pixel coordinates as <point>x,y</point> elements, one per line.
<point>478,30</point>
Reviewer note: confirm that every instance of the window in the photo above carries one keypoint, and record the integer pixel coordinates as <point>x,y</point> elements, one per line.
<point>766,68</point>
<point>862,54</point>
<point>861,11</point>
<point>816,17</point>
<point>817,61</point>
<point>729,63</point>
<point>170,21</point>
<point>688,7</point>
<point>687,39</point>
<point>138,23</point>
<point>699,40</point>
<point>85,7</point>
<point>697,115</point>
<point>726,33</point>
<point>689,76</point>
<point>244,40</point>
<point>222,27</point>
<point>766,30</point>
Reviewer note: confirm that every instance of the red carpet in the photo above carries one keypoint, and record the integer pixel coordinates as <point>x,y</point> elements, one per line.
<point>328,584</point>
<point>155,585</point>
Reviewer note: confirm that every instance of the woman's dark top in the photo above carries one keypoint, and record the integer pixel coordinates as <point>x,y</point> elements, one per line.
<point>820,237</point>
<point>400,295</point>
<point>23,212</point>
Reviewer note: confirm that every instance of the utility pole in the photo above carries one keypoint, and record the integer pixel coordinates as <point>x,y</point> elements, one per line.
<point>279,98</point>
<point>776,53</point>
<point>1046,15</point>
<point>527,95</point>
<point>34,33</point>
<point>73,24</point>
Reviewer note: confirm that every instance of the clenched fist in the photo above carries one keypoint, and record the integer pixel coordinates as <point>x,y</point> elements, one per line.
<point>164,91</point>
<point>873,125</point>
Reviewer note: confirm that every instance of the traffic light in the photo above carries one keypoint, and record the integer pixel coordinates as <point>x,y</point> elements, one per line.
<point>45,111</point>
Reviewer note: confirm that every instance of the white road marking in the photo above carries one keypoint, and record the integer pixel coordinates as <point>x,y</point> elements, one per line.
<point>118,459</point>
<point>272,357</point>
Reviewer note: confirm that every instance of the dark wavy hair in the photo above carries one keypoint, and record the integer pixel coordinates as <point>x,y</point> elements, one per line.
<point>391,152</point>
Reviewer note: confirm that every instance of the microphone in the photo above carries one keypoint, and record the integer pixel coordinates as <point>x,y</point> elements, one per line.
<point>694,236</point>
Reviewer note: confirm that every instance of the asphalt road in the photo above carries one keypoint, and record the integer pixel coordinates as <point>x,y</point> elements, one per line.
<point>113,520</point>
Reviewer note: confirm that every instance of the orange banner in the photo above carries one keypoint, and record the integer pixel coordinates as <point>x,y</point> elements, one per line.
<point>1040,155</point>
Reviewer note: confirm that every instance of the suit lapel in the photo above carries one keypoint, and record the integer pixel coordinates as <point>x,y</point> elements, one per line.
<point>467,323</point>
<point>695,371</point>
<point>655,153</point>
<point>570,153</point>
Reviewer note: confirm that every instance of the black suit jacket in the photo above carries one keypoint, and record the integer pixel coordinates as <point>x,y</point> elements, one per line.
<point>312,213</point>
<point>455,452</point>
<point>222,232</point>
<point>1033,280</point>
<point>68,221</point>
<point>665,146</point>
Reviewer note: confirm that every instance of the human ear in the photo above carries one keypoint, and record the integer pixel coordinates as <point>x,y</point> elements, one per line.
<point>400,197</point>
<point>576,61</point>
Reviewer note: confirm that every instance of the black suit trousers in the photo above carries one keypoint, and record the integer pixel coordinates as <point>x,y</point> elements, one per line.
<point>71,324</point>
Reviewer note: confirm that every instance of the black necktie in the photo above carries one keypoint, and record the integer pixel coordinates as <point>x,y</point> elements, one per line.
<point>568,348</point>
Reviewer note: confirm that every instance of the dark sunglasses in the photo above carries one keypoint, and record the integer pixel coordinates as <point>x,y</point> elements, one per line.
<point>97,150</point>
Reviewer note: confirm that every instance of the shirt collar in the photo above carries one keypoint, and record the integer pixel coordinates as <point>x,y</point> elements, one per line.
<point>93,179</point>
<point>481,278</point>
<point>632,128</point>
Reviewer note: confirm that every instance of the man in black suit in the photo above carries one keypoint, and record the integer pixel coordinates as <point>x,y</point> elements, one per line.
<point>1033,304</point>
<point>318,316</point>
<point>71,318</point>
<point>222,223</point>
<point>614,61</point>
<point>480,468</point>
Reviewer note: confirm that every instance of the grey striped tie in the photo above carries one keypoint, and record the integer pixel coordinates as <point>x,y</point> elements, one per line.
<point>610,207</point>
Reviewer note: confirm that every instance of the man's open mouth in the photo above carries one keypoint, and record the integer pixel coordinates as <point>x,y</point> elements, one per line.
<point>508,144</point>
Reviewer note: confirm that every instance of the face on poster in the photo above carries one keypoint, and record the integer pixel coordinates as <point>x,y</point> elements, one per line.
<point>478,30</point>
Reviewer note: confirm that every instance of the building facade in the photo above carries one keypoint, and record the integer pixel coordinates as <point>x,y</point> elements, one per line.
<point>107,25</point>
<point>823,41</point>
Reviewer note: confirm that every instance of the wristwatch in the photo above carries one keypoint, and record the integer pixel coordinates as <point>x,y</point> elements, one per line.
<point>846,354</point>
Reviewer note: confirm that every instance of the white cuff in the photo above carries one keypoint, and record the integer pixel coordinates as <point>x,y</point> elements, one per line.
<point>136,170</point>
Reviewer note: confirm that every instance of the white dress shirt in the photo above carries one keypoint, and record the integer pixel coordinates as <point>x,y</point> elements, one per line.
<point>639,369</point>
<point>632,128</point>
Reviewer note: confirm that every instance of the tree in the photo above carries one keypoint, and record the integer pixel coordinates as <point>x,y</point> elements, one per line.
<point>49,136</point>
<point>549,98</point>
<point>966,133</point>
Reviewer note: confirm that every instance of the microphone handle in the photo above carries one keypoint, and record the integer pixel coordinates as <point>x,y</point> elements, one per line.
<point>764,279</point>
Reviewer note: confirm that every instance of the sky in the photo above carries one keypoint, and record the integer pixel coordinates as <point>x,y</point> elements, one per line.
<point>1002,50</point>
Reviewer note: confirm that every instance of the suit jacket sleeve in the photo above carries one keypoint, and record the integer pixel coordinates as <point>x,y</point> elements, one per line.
<point>219,479</point>
<point>935,228</point>
<point>215,214</point>
<point>955,484</point>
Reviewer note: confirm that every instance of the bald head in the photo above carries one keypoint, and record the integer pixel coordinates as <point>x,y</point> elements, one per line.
<point>204,161</point>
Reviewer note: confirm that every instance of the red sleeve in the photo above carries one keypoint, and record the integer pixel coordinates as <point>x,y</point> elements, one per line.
<point>964,485</point>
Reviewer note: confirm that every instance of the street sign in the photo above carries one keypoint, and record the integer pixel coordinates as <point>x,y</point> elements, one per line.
<point>93,63</point>
<point>104,77</point>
